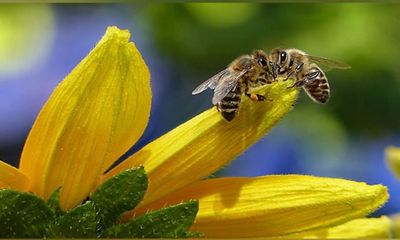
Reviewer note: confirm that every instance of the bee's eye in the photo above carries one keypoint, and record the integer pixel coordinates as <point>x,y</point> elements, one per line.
<point>283,56</point>
<point>262,62</point>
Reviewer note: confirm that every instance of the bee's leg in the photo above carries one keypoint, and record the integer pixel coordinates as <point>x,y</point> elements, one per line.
<point>254,97</point>
<point>298,84</point>
<point>258,97</point>
<point>263,81</point>
<point>218,107</point>
<point>308,78</point>
<point>305,81</point>
<point>288,75</point>
<point>294,72</point>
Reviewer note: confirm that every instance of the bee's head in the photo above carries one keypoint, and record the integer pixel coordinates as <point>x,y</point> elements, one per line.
<point>261,58</point>
<point>279,60</point>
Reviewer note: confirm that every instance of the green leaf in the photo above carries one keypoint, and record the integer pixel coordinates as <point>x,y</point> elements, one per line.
<point>170,222</point>
<point>119,194</point>
<point>80,222</point>
<point>23,215</point>
<point>54,202</point>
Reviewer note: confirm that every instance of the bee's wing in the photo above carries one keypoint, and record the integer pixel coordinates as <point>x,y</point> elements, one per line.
<point>330,64</point>
<point>211,82</point>
<point>227,84</point>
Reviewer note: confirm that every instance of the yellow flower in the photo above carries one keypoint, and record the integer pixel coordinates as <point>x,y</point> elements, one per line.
<point>358,228</point>
<point>102,108</point>
<point>393,161</point>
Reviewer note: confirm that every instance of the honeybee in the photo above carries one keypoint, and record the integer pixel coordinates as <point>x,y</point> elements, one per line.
<point>303,67</point>
<point>241,76</point>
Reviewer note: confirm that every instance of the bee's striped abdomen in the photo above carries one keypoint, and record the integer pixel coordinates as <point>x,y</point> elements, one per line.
<point>319,90</point>
<point>229,105</point>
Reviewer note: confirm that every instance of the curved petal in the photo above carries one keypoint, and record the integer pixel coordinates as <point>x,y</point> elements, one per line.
<point>94,116</point>
<point>395,226</point>
<point>393,160</point>
<point>12,178</point>
<point>275,205</point>
<point>207,142</point>
<point>358,228</point>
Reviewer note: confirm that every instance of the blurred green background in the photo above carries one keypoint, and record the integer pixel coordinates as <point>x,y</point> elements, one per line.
<point>184,44</point>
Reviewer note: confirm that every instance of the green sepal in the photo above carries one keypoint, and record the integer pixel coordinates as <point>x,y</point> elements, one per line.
<point>119,194</point>
<point>23,215</point>
<point>80,222</point>
<point>54,202</point>
<point>169,222</point>
<point>193,235</point>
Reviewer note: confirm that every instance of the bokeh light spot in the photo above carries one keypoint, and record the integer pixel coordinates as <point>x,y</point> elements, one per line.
<point>24,43</point>
<point>222,15</point>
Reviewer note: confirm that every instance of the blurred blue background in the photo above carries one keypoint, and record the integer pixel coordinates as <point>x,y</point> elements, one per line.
<point>184,44</point>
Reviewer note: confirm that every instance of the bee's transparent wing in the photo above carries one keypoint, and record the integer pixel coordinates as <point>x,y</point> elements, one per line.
<point>227,84</point>
<point>328,63</point>
<point>211,82</point>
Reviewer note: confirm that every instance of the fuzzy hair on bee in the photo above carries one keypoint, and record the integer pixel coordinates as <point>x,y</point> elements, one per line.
<point>251,71</point>
<point>239,78</point>
<point>306,70</point>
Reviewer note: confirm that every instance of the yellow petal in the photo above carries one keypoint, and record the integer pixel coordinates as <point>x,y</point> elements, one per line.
<point>204,144</point>
<point>12,178</point>
<point>275,205</point>
<point>358,228</point>
<point>393,160</point>
<point>94,116</point>
<point>395,227</point>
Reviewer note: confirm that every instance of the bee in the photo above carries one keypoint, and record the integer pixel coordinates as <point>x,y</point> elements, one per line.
<point>241,76</point>
<point>307,74</point>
